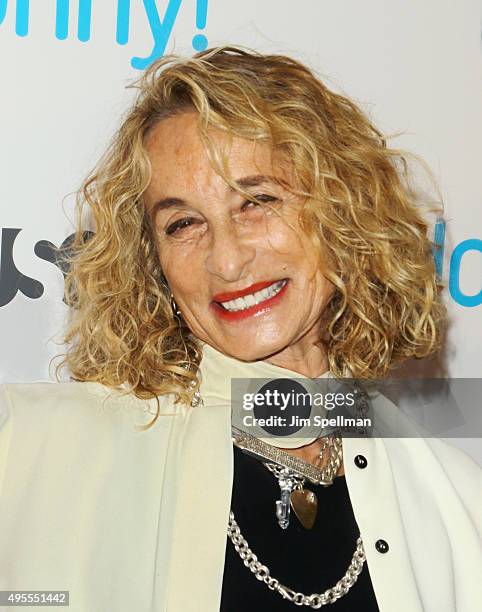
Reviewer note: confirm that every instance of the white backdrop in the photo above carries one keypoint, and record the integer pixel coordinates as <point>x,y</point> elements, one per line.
<point>413,66</point>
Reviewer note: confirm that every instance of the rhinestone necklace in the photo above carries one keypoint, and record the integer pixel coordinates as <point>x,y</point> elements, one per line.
<point>291,473</point>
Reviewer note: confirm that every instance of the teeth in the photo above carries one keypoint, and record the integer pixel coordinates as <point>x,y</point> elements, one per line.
<point>254,298</point>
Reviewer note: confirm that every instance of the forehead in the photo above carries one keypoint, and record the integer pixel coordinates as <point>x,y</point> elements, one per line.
<point>180,162</point>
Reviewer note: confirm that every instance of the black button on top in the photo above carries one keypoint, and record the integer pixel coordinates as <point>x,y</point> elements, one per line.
<point>381,546</point>
<point>361,461</point>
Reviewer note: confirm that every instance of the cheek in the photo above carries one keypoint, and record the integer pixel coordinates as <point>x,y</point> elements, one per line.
<point>170,265</point>
<point>311,271</point>
<point>325,292</point>
<point>180,271</point>
<point>278,237</point>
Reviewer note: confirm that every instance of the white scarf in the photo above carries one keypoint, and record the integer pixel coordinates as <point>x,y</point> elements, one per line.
<point>217,370</point>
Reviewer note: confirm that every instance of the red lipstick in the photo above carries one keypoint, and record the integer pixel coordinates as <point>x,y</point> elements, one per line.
<point>256,310</point>
<point>232,295</point>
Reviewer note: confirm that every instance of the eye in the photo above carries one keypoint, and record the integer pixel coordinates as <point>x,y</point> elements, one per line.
<point>177,226</point>
<point>262,197</point>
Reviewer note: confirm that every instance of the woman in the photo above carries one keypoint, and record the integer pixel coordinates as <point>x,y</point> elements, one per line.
<point>249,223</point>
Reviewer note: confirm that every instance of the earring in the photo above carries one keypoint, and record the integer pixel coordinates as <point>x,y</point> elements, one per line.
<point>174,306</point>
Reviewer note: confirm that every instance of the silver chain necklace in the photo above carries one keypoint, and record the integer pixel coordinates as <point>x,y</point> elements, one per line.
<point>261,572</point>
<point>315,600</point>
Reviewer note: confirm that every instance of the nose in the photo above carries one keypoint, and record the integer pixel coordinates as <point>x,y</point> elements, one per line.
<point>230,253</point>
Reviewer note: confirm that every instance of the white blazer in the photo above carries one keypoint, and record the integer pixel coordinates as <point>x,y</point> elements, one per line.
<point>128,520</point>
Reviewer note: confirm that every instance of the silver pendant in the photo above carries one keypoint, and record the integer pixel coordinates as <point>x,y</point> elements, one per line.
<point>287,485</point>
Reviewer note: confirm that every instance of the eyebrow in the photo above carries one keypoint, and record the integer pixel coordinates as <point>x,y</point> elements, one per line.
<point>247,181</point>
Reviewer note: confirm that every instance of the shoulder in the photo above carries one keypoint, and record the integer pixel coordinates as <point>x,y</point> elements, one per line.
<point>452,457</point>
<point>460,469</point>
<point>427,469</point>
<point>428,455</point>
<point>407,434</point>
<point>47,394</point>
<point>435,473</point>
<point>74,402</point>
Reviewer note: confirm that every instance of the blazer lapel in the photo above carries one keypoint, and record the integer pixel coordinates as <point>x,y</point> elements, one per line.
<point>201,511</point>
<point>376,508</point>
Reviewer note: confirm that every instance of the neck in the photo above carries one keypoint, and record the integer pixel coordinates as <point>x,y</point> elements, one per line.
<point>218,369</point>
<point>309,359</point>
<point>306,358</point>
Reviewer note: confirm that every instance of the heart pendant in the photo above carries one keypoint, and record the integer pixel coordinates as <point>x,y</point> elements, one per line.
<point>305,506</point>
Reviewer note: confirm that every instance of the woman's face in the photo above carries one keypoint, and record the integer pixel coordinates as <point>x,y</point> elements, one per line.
<point>214,245</point>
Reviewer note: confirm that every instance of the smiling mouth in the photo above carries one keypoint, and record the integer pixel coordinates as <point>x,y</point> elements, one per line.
<point>253,299</point>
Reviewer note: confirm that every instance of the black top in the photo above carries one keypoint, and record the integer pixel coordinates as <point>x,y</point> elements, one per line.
<point>309,561</point>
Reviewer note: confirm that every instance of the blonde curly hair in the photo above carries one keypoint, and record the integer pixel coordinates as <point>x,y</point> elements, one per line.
<point>369,223</point>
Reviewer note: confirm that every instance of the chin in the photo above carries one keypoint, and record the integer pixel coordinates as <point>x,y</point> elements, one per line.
<point>252,351</point>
